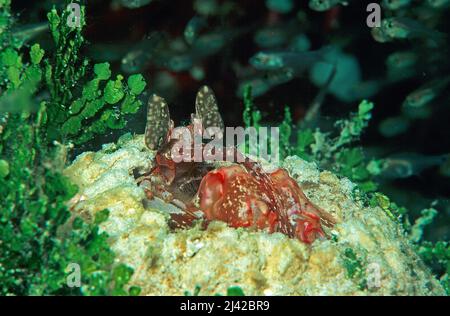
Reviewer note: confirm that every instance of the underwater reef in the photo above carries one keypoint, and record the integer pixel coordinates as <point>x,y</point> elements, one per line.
<point>93,201</point>
<point>166,262</point>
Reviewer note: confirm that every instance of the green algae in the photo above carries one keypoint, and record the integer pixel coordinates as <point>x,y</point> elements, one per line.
<point>39,236</point>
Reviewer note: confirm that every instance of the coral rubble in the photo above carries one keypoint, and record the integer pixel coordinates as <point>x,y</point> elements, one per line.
<point>367,254</point>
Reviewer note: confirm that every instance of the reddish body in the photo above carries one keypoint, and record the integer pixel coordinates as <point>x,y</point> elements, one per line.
<point>244,196</point>
<point>241,194</point>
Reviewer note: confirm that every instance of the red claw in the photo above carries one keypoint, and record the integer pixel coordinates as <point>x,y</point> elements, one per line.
<point>244,197</point>
<point>308,227</point>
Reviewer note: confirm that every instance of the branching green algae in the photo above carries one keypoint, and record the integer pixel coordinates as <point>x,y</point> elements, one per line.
<point>103,102</point>
<point>39,236</point>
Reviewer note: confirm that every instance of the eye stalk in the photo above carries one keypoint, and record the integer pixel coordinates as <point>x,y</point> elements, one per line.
<point>207,110</point>
<point>158,124</point>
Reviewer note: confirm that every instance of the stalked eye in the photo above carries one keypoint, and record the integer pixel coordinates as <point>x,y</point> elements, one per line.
<point>158,123</point>
<point>207,110</point>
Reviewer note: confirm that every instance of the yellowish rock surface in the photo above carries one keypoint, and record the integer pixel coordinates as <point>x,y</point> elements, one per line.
<point>368,253</point>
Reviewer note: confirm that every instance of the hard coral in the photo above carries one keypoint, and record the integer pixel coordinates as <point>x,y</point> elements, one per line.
<point>168,262</point>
